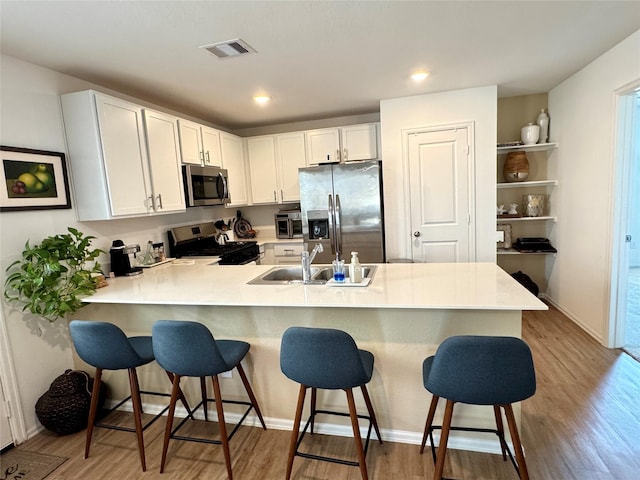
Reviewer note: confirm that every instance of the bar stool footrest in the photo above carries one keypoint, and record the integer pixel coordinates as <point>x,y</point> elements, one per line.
<point>207,440</point>
<point>146,425</point>
<point>472,429</point>
<point>332,459</point>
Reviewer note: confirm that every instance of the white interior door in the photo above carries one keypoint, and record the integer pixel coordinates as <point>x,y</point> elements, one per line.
<point>440,195</point>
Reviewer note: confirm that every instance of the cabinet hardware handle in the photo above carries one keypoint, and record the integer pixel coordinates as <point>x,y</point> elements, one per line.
<point>160,201</point>
<point>275,196</point>
<point>208,158</point>
<point>338,154</point>
<point>416,234</point>
<point>345,154</point>
<point>149,202</point>
<point>201,157</point>
<point>282,195</point>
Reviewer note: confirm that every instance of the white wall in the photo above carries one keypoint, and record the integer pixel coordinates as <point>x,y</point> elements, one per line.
<point>31,118</point>
<point>478,105</point>
<point>582,111</point>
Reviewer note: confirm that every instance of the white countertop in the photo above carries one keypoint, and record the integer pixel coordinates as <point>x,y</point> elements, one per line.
<point>483,286</point>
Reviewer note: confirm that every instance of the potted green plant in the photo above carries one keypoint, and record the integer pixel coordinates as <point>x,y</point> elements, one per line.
<point>52,277</point>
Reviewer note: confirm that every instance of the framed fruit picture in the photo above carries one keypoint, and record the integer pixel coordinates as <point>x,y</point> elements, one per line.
<point>33,180</point>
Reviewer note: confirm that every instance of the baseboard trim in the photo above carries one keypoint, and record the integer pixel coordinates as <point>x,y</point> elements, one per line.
<point>457,440</point>
<point>585,328</point>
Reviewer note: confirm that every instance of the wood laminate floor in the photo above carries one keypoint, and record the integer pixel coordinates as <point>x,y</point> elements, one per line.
<point>582,424</point>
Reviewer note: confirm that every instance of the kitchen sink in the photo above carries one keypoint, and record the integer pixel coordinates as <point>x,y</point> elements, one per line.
<point>291,275</point>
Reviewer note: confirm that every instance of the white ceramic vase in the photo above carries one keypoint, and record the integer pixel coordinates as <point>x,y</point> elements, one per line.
<point>543,123</point>
<point>530,134</point>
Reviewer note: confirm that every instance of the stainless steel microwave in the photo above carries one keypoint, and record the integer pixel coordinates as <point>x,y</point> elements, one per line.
<point>288,224</point>
<point>205,185</point>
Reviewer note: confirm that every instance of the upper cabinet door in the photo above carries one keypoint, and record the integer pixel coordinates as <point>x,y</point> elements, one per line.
<point>233,160</point>
<point>359,142</point>
<point>164,162</point>
<point>125,156</point>
<point>211,149</point>
<point>323,146</point>
<point>190,142</point>
<point>290,148</point>
<point>262,165</point>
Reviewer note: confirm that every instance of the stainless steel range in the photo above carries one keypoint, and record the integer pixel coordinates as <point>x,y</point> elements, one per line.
<point>199,240</point>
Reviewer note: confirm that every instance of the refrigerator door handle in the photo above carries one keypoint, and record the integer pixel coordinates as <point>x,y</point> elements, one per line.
<point>332,225</point>
<point>338,216</point>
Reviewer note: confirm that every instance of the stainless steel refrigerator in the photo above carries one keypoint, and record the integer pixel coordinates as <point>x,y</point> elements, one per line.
<point>342,208</point>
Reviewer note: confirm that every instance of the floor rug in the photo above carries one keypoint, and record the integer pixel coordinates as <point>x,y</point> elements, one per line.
<point>16,463</point>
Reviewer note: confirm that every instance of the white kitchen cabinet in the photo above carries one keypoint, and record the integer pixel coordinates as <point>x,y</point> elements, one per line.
<point>232,154</point>
<point>113,173</point>
<point>342,144</point>
<point>261,153</point>
<point>199,144</point>
<point>288,253</point>
<point>283,253</point>
<point>359,142</point>
<point>274,161</point>
<point>163,148</point>
<point>323,146</point>
<point>290,156</point>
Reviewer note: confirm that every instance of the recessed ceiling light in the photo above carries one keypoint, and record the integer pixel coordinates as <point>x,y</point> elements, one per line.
<point>419,76</point>
<point>261,99</point>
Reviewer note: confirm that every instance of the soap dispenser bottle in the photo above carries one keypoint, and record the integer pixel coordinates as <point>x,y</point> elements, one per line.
<point>355,269</point>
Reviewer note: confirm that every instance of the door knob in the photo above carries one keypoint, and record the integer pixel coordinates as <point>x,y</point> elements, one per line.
<point>416,234</point>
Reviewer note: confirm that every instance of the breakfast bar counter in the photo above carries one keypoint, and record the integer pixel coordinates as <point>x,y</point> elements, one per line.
<point>402,316</point>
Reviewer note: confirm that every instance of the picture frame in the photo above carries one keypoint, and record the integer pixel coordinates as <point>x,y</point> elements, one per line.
<point>33,180</point>
<point>506,229</point>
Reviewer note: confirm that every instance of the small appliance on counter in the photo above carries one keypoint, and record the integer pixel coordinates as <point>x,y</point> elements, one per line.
<point>122,259</point>
<point>289,223</point>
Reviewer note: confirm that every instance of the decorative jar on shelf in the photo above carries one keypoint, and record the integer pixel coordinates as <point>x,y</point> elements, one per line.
<point>516,167</point>
<point>533,205</point>
<point>530,134</point>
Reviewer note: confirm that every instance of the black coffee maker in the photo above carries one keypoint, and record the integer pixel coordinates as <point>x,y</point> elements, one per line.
<point>121,260</point>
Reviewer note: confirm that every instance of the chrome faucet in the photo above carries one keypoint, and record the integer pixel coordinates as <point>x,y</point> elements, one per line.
<point>307,258</point>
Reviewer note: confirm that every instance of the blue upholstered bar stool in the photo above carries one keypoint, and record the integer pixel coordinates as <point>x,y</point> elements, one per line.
<point>106,347</point>
<point>479,370</point>
<point>187,349</point>
<point>327,359</point>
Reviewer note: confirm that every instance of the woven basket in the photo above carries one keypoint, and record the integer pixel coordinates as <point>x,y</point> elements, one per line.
<point>64,408</point>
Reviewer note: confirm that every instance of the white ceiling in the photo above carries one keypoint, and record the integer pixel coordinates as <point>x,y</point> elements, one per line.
<point>316,59</point>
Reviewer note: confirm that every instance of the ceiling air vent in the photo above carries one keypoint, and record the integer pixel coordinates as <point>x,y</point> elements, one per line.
<point>230,48</point>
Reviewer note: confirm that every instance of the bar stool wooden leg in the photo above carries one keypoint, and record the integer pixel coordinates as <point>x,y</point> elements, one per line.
<point>296,430</point>
<point>181,396</point>
<point>169,426</point>
<point>356,434</point>
<point>314,398</point>
<point>137,414</point>
<point>223,426</point>
<point>93,409</point>
<point>500,428</point>
<point>444,438</point>
<point>429,422</point>
<point>203,392</point>
<point>372,415</point>
<point>252,397</point>
<point>517,445</point>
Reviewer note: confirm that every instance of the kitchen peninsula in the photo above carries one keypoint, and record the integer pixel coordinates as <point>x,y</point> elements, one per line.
<point>401,317</point>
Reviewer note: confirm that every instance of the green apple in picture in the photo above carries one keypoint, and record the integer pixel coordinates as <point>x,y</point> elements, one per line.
<point>42,173</point>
